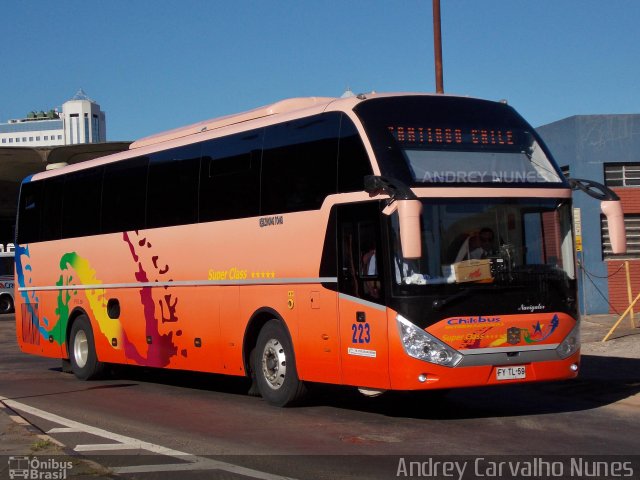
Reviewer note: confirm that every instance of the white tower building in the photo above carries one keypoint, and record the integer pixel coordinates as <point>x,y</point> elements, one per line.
<point>84,122</point>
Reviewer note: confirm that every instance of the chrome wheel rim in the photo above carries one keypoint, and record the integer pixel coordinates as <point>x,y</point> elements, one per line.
<point>80,348</point>
<point>274,364</point>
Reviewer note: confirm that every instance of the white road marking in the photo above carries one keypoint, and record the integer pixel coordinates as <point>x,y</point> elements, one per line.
<point>201,464</point>
<point>95,447</point>
<point>99,432</point>
<point>192,462</point>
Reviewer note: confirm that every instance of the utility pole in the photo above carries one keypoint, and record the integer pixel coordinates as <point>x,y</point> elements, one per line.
<point>437,46</point>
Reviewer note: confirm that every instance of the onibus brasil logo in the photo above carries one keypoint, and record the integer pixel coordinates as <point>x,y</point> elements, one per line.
<point>37,469</point>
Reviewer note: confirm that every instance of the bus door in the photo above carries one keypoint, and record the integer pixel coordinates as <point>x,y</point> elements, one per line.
<point>361,306</point>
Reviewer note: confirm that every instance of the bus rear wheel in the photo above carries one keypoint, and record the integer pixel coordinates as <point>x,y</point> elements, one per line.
<point>6,304</point>
<point>275,366</point>
<point>82,350</point>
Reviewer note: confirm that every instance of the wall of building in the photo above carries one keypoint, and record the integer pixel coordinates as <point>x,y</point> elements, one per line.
<point>81,121</point>
<point>586,144</point>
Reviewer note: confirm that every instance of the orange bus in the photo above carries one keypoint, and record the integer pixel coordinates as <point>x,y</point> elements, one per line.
<point>383,241</point>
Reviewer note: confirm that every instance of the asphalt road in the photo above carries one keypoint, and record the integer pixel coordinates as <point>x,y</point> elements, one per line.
<point>142,423</point>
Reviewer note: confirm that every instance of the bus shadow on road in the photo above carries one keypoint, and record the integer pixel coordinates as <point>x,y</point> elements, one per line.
<point>180,378</point>
<point>603,381</point>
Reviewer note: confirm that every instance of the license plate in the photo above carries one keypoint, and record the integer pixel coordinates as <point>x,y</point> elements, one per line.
<point>511,373</point>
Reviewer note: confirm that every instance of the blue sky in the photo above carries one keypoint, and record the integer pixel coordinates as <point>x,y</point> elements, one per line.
<point>153,65</point>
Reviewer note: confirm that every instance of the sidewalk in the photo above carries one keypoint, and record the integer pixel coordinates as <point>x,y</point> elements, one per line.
<point>624,342</point>
<point>18,438</point>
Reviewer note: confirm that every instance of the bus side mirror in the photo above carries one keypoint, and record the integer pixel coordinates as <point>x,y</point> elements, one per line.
<point>610,205</point>
<point>612,209</point>
<point>409,212</point>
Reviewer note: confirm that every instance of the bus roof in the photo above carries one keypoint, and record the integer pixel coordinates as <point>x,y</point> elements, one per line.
<point>304,106</point>
<point>284,106</point>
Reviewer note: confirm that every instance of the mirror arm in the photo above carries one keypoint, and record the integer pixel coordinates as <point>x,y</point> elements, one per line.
<point>593,189</point>
<point>375,185</point>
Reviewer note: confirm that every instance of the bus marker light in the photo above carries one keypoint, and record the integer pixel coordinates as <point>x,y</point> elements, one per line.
<point>422,378</point>
<point>574,367</point>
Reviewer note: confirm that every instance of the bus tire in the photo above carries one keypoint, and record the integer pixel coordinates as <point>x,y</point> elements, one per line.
<point>82,350</point>
<point>275,366</point>
<point>6,304</point>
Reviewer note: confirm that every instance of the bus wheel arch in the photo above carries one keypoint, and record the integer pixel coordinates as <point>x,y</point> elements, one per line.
<point>268,346</point>
<point>81,348</point>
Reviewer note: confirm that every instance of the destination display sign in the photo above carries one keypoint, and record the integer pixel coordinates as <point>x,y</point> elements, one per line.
<point>445,135</point>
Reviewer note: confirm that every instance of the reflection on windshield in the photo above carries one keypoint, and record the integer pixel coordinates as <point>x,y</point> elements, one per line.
<point>426,166</point>
<point>502,241</point>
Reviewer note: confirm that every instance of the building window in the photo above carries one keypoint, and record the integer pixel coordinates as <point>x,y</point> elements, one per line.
<point>622,174</point>
<point>632,229</point>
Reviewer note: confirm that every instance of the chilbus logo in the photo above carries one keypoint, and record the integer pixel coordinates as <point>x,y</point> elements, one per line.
<point>472,320</point>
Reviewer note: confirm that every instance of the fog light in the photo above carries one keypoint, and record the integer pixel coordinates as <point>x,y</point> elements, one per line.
<point>422,378</point>
<point>574,367</point>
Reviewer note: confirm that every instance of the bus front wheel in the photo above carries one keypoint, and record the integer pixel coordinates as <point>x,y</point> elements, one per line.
<point>82,351</point>
<point>275,366</point>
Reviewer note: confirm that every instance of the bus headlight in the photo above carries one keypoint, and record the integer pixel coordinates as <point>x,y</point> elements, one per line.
<point>571,343</point>
<point>419,344</point>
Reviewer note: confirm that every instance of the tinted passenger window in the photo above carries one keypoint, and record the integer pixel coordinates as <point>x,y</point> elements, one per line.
<point>51,218</point>
<point>81,203</point>
<point>172,197</point>
<point>230,179</point>
<point>29,212</point>
<point>353,163</point>
<point>299,164</point>
<point>124,192</point>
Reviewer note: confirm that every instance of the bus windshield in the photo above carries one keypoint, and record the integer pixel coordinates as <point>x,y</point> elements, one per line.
<point>426,140</point>
<point>487,241</point>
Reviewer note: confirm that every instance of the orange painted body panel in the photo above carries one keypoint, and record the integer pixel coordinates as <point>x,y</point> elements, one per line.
<point>405,370</point>
<point>503,331</point>
<point>176,294</point>
<point>173,291</point>
<point>365,347</point>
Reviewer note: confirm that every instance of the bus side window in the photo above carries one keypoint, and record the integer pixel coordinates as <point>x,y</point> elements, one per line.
<point>230,177</point>
<point>51,216</point>
<point>360,252</point>
<point>368,250</point>
<point>29,212</point>
<point>81,203</point>
<point>124,195</point>
<point>353,161</point>
<point>299,164</point>
<point>349,265</point>
<point>172,189</point>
